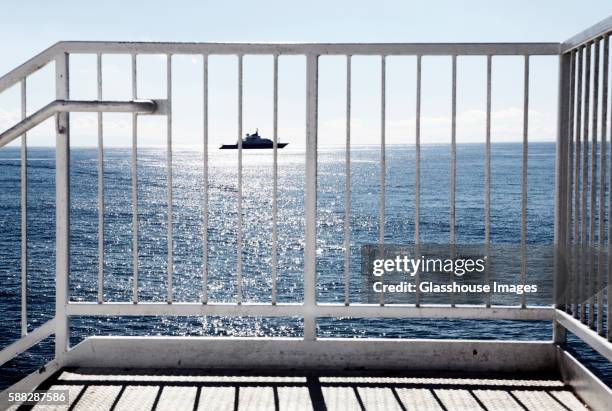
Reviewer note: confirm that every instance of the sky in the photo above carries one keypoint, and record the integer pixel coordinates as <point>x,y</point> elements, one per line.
<point>35,25</point>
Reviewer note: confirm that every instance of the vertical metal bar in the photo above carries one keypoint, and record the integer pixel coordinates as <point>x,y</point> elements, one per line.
<point>239,199</point>
<point>561,172</point>
<point>383,165</point>
<point>524,177</point>
<point>604,133</point>
<point>417,162</point>
<point>585,180</point>
<point>417,176</point>
<point>347,186</point>
<point>488,178</point>
<point>24,216</point>
<point>134,170</point>
<point>310,201</point>
<point>62,209</point>
<point>453,153</point>
<point>593,183</point>
<point>602,188</point>
<point>570,239</point>
<point>577,190</point>
<point>169,174</point>
<point>275,183</point>
<point>101,207</point>
<point>453,168</point>
<point>205,189</point>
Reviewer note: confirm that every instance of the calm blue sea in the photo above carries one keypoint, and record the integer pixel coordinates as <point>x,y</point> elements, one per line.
<point>257,191</point>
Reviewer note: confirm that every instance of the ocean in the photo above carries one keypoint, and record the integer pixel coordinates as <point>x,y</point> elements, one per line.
<point>257,223</point>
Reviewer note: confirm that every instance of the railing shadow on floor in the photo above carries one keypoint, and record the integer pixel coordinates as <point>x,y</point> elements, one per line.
<point>153,389</point>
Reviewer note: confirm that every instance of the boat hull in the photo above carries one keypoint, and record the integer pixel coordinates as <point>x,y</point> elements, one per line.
<point>247,146</point>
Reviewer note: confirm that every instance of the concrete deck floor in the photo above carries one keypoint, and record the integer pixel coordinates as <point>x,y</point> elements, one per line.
<point>107,389</point>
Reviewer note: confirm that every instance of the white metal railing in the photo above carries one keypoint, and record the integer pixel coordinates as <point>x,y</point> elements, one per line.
<point>310,309</point>
<point>20,129</point>
<point>582,184</point>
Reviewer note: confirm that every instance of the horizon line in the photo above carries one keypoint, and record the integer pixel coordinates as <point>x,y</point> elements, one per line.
<point>377,145</point>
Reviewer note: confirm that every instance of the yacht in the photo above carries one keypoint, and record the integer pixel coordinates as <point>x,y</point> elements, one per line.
<point>253,141</point>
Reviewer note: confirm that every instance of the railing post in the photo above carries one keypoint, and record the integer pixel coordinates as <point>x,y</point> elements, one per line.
<point>62,209</point>
<point>310,201</point>
<point>561,178</point>
<point>24,216</point>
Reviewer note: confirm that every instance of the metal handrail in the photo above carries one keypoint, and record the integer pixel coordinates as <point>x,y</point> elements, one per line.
<point>587,335</point>
<point>65,106</point>
<point>29,67</point>
<point>597,30</point>
<point>29,340</point>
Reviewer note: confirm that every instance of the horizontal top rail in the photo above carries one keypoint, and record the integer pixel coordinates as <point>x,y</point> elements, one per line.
<point>64,106</point>
<point>311,48</point>
<point>425,49</point>
<point>597,30</point>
